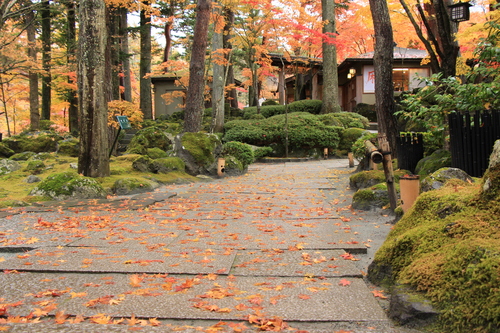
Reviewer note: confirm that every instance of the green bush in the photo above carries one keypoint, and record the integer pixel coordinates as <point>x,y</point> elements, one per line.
<point>270,102</point>
<point>305,131</point>
<point>349,137</point>
<point>308,105</point>
<point>150,137</point>
<point>261,152</point>
<point>242,151</point>
<point>367,111</point>
<point>358,148</point>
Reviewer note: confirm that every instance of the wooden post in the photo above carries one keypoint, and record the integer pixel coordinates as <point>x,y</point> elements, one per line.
<point>388,171</point>
<point>221,166</point>
<point>325,153</point>
<point>350,156</point>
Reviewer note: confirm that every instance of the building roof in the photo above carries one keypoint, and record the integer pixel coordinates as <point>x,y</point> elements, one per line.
<point>399,53</point>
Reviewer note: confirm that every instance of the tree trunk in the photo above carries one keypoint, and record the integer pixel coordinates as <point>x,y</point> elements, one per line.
<point>383,62</point>
<point>232,94</point>
<point>146,103</point>
<point>71,58</point>
<point>125,58</point>
<point>384,90</point>
<point>330,76</point>
<point>46,58</point>
<point>195,91</point>
<point>168,40</point>
<point>93,89</point>
<point>32,75</point>
<point>218,78</point>
<point>113,21</point>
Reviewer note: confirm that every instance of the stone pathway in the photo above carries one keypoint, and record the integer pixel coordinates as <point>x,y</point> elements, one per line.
<point>278,249</point>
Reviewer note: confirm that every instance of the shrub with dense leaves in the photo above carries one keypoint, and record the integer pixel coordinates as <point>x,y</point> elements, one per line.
<point>304,131</point>
<point>349,137</point>
<point>346,119</point>
<point>308,105</point>
<point>242,151</point>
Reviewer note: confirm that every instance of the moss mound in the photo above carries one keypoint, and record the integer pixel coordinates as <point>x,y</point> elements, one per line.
<point>201,146</point>
<point>131,185</point>
<point>69,147</point>
<point>36,142</point>
<point>437,160</point>
<point>448,246</point>
<point>150,137</point>
<point>69,184</point>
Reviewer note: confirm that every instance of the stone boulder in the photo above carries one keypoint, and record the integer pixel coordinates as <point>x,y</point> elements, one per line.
<point>491,180</point>
<point>66,185</point>
<point>5,151</point>
<point>198,151</point>
<point>126,186</point>
<point>408,306</point>
<point>371,198</point>
<point>437,179</point>
<point>439,159</point>
<point>8,166</point>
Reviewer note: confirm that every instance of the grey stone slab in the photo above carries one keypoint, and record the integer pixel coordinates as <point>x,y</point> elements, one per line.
<point>186,298</point>
<point>326,263</point>
<point>269,234</point>
<point>122,260</point>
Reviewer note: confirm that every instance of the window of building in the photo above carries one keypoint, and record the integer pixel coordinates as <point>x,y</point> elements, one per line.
<point>401,79</point>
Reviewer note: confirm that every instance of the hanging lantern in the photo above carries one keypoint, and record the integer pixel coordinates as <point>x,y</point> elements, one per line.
<point>459,12</point>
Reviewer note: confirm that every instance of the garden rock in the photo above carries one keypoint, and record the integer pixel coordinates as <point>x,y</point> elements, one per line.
<point>32,179</point>
<point>8,166</point>
<point>491,179</point>
<point>24,156</point>
<point>127,186</point>
<point>366,179</point>
<point>437,179</point>
<point>198,151</point>
<point>437,160</point>
<point>65,185</point>
<point>371,198</point>
<point>407,306</point>
<point>5,151</point>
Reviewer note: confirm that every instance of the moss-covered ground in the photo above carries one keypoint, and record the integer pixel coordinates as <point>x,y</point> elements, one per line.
<point>14,189</point>
<point>448,246</point>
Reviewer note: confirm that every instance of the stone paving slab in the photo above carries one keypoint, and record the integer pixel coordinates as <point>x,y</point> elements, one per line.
<point>122,260</point>
<point>225,298</point>
<point>325,263</point>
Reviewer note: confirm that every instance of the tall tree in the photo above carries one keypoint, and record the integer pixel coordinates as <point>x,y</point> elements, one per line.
<point>146,103</point>
<point>384,89</point>
<point>125,57</point>
<point>218,74</point>
<point>232,94</point>
<point>71,60</point>
<point>46,59</point>
<point>93,89</point>
<point>330,76</point>
<point>194,95</point>
<point>439,35</point>
<point>32,73</point>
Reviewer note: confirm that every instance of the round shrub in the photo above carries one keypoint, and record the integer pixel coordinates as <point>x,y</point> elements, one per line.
<point>261,152</point>
<point>367,111</point>
<point>272,110</point>
<point>243,152</point>
<point>269,102</point>
<point>308,105</point>
<point>358,147</point>
<point>349,137</point>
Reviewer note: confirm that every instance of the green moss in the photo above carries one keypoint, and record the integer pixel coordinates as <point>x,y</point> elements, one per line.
<point>69,147</point>
<point>35,167</point>
<point>132,185</point>
<point>5,151</point>
<point>201,146</point>
<point>156,152</point>
<point>439,159</point>
<point>24,156</point>
<point>169,164</point>
<point>66,184</point>
<point>448,246</point>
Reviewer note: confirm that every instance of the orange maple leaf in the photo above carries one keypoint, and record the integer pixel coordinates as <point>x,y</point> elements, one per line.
<point>344,282</point>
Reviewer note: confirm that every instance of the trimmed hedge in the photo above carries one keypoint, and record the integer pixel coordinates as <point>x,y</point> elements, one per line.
<point>305,131</point>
